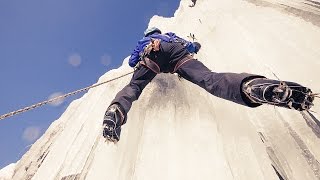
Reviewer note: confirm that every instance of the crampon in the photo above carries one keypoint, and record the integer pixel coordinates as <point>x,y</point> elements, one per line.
<point>280,93</point>
<point>112,121</point>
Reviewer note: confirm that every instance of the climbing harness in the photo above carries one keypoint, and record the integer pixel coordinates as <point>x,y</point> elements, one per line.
<point>181,62</point>
<point>154,46</point>
<point>151,65</point>
<point>59,97</point>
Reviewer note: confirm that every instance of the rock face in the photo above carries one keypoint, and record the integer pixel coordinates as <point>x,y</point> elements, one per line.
<point>177,130</point>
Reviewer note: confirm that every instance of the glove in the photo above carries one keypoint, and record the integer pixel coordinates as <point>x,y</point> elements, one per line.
<point>197,47</point>
<point>193,47</point>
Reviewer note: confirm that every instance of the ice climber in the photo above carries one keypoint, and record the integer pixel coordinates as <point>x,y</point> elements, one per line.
<point>167,53</point>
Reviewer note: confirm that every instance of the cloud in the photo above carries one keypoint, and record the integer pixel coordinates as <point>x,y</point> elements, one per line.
<point>106,59</point>
<point>74,60</point>
<point>57,102</point>
<point>31,133</point>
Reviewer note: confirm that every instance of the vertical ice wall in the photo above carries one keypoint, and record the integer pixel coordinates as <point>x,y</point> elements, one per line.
<point>177,130</point>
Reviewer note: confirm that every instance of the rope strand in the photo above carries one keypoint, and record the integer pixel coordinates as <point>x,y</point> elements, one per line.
<point>57,98</point>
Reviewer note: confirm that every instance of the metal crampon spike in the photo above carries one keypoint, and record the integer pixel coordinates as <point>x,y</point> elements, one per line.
<point>304,106</point>
<point>311,103</point>
<point>108,127</point>
<point>317,95</point>
<point>307,104</point>
<point>109,138</point>
<point>290,102</point>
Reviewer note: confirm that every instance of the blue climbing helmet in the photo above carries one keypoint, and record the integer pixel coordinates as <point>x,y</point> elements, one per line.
<point>151,30</point>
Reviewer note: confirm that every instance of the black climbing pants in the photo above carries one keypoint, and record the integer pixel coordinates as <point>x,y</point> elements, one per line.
<point>224,85</point>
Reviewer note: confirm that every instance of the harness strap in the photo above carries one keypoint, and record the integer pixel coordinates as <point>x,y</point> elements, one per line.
<point>151,65</point>
<point>154,45</point>
<point>181,62</point>
<point>156,69</point>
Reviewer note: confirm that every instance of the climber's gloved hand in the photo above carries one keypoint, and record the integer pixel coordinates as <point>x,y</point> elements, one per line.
<point>197,47</point>
<point>193,47</point>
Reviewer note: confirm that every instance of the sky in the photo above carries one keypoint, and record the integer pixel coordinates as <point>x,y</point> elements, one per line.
<point>49,48</point>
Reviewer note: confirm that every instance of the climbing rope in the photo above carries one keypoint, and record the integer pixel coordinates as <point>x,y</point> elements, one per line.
<point>58,97</point>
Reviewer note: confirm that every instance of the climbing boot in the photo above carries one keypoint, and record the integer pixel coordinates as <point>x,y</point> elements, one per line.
<point>279,93</point>
<point>113,119</point>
